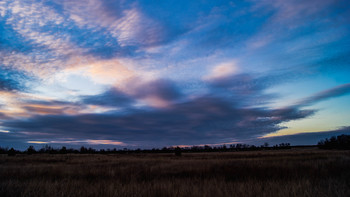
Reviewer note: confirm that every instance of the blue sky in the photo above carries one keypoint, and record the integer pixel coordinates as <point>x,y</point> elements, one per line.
<point>146,74</point>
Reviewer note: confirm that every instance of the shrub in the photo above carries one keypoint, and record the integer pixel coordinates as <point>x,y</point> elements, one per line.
<point>339,142</point>
<point>11,152</point>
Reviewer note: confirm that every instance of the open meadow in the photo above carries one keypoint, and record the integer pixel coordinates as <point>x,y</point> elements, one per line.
<point>294,172</point>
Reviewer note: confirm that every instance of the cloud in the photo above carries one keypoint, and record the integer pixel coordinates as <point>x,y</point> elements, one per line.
<point>2,115</point>
<point>108,72</point>
<point>36,42</point>
<point>53,108</point>
<point>31,20</point>
<point>223,70</point>
<point>10,80</point>
<point>185,119</point>
<point>243,88</point>
<point>111,97</point>
<point>126,23</point>
<point>294,9</point>
<point>290,113</point>
<point>202,120</point>
<point>37,142</point>
<point>337,91</point>
<point>173,118</point>
<point>127,80</point>
<point>50,41</point>
<point>154,92</point>
<point>103,103</point>
<point>18,105</point>
<point>288,17</point>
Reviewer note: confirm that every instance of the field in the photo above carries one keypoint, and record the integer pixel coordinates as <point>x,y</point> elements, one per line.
<point>295,172</point>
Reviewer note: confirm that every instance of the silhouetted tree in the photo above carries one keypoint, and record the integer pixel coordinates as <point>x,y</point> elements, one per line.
<point>83,150</point>
<point>91,150</point>
<point>47,149</point>
<point>11,152</point>
<point>178,151</point>
<point>31,150</point>
<point>343,142</point>
<point>63,150</point>
<point>224,147</point>
<point>207,148</point>
<point>339,142</point>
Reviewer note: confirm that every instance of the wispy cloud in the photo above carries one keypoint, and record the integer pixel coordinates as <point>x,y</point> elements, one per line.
<point>337,91</point>
<point>290,10</point>
<point>287,16</point>
<point>11,80</point>
<point>37,25</point>
<point>128,24</point>
<point>32,19</point>
<point>36,142</point>
<point>225,69</point>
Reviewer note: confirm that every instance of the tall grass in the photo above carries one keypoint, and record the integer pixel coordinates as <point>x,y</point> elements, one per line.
<point>262,173</point>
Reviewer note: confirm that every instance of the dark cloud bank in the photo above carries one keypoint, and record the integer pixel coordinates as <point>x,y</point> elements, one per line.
<point>205,119</point>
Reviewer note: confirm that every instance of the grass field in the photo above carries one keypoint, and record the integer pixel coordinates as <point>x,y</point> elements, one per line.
<point>295,172</point>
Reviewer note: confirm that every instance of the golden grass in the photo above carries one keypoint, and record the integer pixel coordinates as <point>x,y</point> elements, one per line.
<point>308,172</point>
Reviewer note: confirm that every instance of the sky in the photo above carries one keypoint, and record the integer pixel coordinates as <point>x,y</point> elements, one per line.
<point>108,73</point>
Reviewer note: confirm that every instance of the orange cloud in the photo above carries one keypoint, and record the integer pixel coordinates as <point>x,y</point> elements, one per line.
<point>36,142</point>
<point>92,142</point>
<point>106,142</point>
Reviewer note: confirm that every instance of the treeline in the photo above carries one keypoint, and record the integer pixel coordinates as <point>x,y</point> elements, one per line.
<point>177,150</point>
<point>341,142</point>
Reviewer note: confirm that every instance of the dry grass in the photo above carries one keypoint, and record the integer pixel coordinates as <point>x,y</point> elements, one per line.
<point>265,173</point>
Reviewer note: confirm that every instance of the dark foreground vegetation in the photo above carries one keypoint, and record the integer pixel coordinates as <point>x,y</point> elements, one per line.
<point>341,142</point>
<point>177,150</point>
<point>288,172</point>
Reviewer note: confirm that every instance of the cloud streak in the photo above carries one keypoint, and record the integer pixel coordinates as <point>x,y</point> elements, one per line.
<point>127,24</point>
<point>337,91</point>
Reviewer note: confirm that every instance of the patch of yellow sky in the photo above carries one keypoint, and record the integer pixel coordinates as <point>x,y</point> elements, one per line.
<point>329,116</point>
